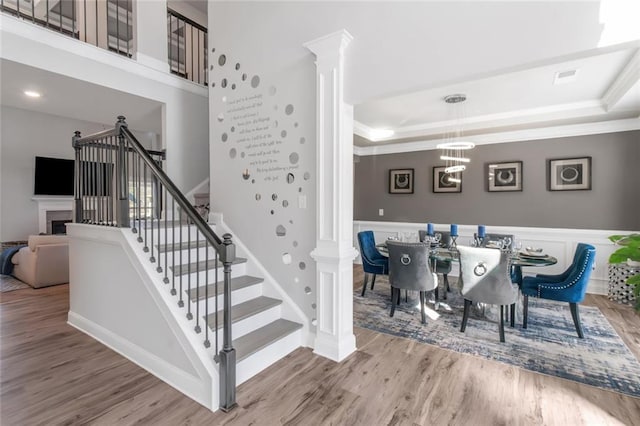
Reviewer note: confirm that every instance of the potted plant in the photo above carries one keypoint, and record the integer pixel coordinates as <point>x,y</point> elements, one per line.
<point>628,253</point>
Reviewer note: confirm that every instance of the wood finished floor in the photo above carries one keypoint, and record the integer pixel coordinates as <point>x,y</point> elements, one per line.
<point>52,374</point>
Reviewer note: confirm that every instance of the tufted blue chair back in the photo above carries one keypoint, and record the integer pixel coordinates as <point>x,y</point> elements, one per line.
<point>372,261</point>
<point>574,285</point>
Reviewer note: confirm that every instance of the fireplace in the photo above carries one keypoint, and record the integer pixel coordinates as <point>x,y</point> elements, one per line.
<point>50,209</point>
<point>57,226</point>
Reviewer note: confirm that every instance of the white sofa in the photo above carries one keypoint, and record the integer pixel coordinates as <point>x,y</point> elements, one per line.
<point>44,262</point>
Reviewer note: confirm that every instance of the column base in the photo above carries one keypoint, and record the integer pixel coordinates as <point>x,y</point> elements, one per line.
<point>335,349</point>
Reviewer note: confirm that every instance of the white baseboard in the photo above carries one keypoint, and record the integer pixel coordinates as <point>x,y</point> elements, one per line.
<point>191,386</point>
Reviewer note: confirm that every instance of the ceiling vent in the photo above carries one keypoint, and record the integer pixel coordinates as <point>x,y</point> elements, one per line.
<point>563,77</point>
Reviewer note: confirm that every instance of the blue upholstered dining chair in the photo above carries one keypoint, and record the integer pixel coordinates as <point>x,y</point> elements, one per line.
<point>570,286</point>
<point>372,261</point>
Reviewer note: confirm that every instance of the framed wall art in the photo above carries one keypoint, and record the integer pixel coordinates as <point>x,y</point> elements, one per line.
<point>401,181</point>
<point>569,174</point>
<point>504,177</point>
<point>442,182</point>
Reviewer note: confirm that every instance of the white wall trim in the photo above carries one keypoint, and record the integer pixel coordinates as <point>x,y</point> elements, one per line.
<point>175,377</point>
<point>270,286</point>
<point>627,78</point>
<point>558,242</point>
<point>506,137</point>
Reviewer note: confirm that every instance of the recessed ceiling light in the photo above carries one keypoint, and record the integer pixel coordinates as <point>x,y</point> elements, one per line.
<point>32,94</point>
<point>566,76</point>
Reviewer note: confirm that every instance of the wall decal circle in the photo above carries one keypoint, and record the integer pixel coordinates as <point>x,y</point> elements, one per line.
<point>222,59</point>
<point>224,137</point>
<point>255,81</point>
<point>233,153</point>
<point>302,266</point>
<point>288,109</point>
<point>290,178</point>
<point>286,258</point>
<point>294,157</point>
<point>281,231</point>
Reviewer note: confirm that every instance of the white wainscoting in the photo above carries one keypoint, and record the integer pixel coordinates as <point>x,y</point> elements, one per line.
<point>560,243</point>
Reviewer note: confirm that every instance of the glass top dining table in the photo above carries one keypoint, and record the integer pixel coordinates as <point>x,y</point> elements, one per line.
<point>451,254</point>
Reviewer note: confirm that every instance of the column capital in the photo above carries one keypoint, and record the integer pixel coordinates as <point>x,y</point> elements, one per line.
<point>330,44</point>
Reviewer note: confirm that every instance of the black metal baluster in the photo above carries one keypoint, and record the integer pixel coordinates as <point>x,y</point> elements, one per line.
<point>47,13</point>
<point>159,229</point>
<point>85,20</point>
<point>128,31</point>
<point>94,189</point>
<point>117,25</point>
<point>139,199</point>
<point>166,240</point>
<point>112,187</point>
<point>197,328</point>
<point>97,43</point>
<point>173,247</point>
<point>206,57</point>
<point>146,214</point>
<point>189,316</point>
<point>215,316</point>
<point>100,182</point>
<point>60,16</point>
<point>152,259</point>
<point>206,295</point>
<point>185,51</point>
<point>77,188</point>
<point>180,303</point>
<point>170,42</point>
<point>33,11</point>
<point>73,18</point>
<point>85,182</point>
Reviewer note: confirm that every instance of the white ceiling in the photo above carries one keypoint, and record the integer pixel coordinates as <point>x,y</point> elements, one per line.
<point>68,97</point>
<point>606,91</point>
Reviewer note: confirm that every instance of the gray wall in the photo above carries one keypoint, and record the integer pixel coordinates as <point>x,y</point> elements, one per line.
<point>613,203</point>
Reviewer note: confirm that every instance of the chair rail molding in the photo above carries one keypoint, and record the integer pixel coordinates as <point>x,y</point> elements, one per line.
<point>334,251</point>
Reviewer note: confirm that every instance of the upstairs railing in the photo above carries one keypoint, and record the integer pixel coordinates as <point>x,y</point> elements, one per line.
<point>119,183</point>
<point>109,24</point>
<point>106,24</point>
<point>187,47</point>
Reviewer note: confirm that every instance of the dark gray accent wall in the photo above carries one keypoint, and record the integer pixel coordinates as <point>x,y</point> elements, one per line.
<point>612,203</point>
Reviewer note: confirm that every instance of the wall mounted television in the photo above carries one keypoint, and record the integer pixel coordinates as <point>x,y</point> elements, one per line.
<point>54,176</point>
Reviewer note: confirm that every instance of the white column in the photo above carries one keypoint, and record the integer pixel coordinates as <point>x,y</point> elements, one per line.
<point>334,252</point>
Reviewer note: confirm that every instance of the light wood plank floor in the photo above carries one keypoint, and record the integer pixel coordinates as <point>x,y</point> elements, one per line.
<point>54,374</point>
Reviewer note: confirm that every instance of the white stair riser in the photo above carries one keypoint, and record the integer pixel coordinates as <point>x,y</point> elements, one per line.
<point>237,296</point>
<point>249,324</point>
<point>260,360</point>
<point>160,238</point>
<point>236,271</point>
<point>201,252</point>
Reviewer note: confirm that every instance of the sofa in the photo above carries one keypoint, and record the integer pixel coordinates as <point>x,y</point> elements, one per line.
<point>44,262</point>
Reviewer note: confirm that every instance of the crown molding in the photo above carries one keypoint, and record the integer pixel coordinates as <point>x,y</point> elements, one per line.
<point>506,137</point>
<point>627,78</point>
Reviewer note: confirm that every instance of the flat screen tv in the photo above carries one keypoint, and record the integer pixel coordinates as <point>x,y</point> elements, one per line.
<point>54,176</point>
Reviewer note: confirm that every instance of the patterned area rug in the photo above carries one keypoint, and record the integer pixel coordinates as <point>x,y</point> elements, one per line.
<point>549,345</point>
<point>9,283</point>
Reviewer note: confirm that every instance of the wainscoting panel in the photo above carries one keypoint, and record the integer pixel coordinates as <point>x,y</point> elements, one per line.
<point>557,242</point>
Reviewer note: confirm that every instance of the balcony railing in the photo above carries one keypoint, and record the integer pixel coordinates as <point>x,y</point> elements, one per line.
<point>106,24</point>
<point>109,24</point>
<point>187,47</point>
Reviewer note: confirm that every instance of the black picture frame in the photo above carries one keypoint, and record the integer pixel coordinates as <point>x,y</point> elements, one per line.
<point>569,174</point>
<point>401,181</point>
<point>505,176</point>
<point>439,182</point>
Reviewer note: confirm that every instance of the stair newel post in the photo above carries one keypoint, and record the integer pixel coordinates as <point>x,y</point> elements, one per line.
<point>228,353</point>
<point>121,170</point>
<point>78,183</point>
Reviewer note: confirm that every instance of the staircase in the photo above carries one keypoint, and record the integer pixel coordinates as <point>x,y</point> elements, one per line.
<point>234,318</point>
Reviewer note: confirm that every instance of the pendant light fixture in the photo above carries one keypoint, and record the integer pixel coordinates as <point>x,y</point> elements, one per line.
<point>453,150</point>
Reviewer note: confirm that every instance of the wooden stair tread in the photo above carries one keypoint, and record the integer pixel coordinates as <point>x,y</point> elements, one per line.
<point>243,310</point>
<point>261,338</point>
<point>200,266</point>
<point>236,284</point>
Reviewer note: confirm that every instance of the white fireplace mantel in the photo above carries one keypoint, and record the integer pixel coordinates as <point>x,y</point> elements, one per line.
<point>49,203</point>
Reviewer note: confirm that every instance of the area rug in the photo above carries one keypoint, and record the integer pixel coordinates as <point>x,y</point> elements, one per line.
<point>549,345</point>
<point>9,283</point>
